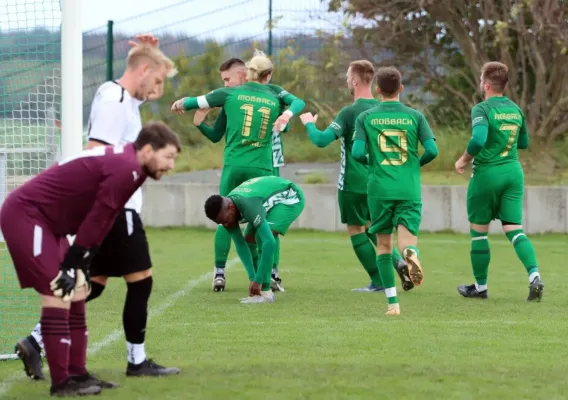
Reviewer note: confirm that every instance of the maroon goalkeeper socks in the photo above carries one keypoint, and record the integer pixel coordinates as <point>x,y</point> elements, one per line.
<point>57,342</point>
<point>78,328</point>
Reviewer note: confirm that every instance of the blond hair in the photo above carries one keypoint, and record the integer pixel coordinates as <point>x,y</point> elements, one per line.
<point>142,53</point>
<point>259,67</point>
<point>497,74</point>
<point>364,70</point>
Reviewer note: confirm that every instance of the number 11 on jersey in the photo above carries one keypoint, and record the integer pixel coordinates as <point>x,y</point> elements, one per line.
<point>247,123</point>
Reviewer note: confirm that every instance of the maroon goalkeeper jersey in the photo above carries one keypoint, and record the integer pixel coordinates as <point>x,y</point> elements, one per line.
<point>83,195</point>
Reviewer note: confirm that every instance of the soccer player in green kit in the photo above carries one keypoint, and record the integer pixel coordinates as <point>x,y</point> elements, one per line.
<point>392,131</point>
<point>252,111</point>
<point>233,73</point>
<point>269,205</point>
<point>496,186</point>
<point>352,182</point>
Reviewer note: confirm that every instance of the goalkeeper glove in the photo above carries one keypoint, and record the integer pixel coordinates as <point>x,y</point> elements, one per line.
<point>71,273</point>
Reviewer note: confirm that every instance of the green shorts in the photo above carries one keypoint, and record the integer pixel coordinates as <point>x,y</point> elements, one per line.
<point>276,171</point>
<point>234,176</point>
<point>386,215</point>
<point>353,208</point>
<point>496,194</point>
<point>281,216</point>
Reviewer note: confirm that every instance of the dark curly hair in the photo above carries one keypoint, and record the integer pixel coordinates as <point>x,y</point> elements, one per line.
<point>213,206</point>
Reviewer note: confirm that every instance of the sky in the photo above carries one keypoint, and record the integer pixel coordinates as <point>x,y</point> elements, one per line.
<point>218,18</point>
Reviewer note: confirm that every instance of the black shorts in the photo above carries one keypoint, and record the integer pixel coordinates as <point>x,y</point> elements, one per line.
<point>125,249</point>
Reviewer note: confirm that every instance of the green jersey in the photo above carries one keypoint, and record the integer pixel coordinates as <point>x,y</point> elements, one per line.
<point>392,132</point>
<point>251,111</point>
<point>352,174</point>
<point>505,122</point>
<point>256,197</point>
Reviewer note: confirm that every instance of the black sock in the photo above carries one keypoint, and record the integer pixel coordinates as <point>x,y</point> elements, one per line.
<point>96,291</point>
<point>34,343</point>
<point>135,313</point>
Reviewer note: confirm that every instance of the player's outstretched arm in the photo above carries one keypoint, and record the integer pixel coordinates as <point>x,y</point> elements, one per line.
<point>243,251</point>
<point>295,106</point>
<point>322,138</point>
<point>215,133</point>
<point>216,98</point>
<point>267,248</point>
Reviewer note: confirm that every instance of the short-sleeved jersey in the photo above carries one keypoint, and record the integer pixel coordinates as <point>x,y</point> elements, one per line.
<point>251,111</point>
<point>84,194</point>
<point>392,132</point>
<point>115,119</point>
<point>505,121</point>
<point>256,197</point>
<point>352,174</point>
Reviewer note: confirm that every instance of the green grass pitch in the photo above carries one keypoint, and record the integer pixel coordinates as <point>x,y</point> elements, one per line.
<point>322,341</point>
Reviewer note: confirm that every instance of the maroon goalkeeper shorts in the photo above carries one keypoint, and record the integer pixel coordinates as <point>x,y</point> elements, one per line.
<point>36,252</point>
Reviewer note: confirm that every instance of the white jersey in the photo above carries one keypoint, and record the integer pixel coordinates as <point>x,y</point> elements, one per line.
<point>115,119</point>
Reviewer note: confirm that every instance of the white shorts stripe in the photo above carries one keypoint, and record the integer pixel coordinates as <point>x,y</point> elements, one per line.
<point>129,223</point>
<point>38,239</point>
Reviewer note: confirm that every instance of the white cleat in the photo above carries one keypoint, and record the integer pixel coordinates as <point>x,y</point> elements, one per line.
<point>219,283</point>
<point>266,297</point>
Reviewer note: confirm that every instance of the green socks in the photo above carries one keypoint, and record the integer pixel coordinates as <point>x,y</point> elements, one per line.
<point>366,254</point>
<point>396,257</point>
<point>222,246</point>
<point>384,263</point>
<point>480,257</point>
<point>525,251</point>
<point>276,256</point>
<point>254,253</point>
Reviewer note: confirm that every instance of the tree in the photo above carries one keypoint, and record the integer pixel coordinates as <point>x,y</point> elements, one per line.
<point>445,42</point>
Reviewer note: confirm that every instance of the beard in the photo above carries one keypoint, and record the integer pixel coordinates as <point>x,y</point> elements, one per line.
<point>152,172</point>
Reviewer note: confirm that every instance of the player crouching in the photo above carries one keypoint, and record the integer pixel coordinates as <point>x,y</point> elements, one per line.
<point>80,196</point>
<point>269,205</point>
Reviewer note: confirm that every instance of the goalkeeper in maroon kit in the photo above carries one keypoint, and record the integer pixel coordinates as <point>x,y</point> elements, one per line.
<point>80,196</point>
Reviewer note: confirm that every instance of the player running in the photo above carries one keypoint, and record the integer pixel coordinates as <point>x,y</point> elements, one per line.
<point>252,112</point>
<point>233,73</point>
<point>496,186</point>
<point>269,205</point>
<point>115,119</point>
<point>392,132</point>
<point>352,182</point>
<point>80,196</point>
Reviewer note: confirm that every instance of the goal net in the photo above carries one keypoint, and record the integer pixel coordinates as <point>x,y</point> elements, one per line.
<point>30,100</point>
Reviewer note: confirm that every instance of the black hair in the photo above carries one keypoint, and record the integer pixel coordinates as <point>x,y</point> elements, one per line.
<point>213,206</point>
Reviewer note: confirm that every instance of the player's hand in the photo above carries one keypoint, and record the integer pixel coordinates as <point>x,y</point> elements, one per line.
<point>460,165</point>
<point>282,121</point>
<point>306,118</point>
<point>145,38</point>
<point>178,108</point>
<point>200,115</point>
<point>63,285</point>
<point>254,289</point>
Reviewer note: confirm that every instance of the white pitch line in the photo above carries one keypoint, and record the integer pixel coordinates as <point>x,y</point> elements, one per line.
<point>108,340</point>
